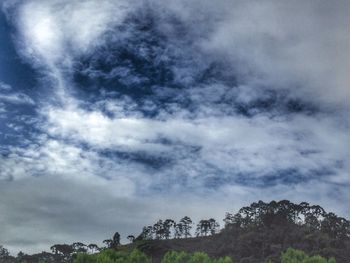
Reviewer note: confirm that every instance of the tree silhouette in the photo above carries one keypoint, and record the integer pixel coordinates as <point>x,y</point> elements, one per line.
<point>214,226</point>
<point>108,242</point>
<point>158,229</point>
<point>79,247</point>
<point>284,213</point>
<point>4,252</point>
<point>116,239</point>
<point>63,250</point>
<point>203,228</point>
<point>179,230</point>
<point>131,238</point>
<point>167,225</point>
<point>186,225</point>
<point>146,234</point>
<point>93,248</point>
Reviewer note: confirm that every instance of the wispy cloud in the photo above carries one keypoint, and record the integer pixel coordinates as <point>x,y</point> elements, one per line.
<point>7,95</point>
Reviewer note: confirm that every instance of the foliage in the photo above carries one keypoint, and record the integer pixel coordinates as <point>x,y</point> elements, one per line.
<point>197,257</point>
<point>205,227</point>
<point>298,256</point>
<point>112,256</point>
<point>284,212</point>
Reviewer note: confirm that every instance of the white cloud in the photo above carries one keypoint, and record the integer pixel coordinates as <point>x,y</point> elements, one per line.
<point>233,145</point>
<point>5,87</point>
<point>7,95</point>
<point>300,46</point>
<point>16,98</point>
<point>55,31</point>
<point>75,166</point>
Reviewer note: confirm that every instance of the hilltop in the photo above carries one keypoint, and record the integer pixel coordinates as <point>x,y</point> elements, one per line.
<point>255,234</point>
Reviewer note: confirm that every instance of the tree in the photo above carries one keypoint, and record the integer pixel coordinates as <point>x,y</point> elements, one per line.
<point>116,239</point>
<point>203,228</point>
<point>108,242</point>
<point>79,247</point>
<point>63,250</point>
<point>167,225</point>
<point>179,230</point>
<point>186,223</point>
<point>158,229</point>
<point>146,234</point>
<point>214,226</point>
<point>93,248</point>
<point>4,253</point>
<point>131,238</point>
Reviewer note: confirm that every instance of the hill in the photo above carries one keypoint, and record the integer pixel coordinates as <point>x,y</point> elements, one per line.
<point>255,234</point>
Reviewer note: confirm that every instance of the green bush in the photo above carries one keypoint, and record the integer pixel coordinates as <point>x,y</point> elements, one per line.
<point>298,256</point>
<point>176,257</point>
<point>112,256</point>
<point>197,257</point>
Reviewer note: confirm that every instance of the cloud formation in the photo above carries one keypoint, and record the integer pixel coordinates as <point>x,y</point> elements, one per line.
<point>171,101</point>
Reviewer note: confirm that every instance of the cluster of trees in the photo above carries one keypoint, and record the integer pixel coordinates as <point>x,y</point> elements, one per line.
<point>169,228</point>
<point>314,217</point>
<point>59,252</point>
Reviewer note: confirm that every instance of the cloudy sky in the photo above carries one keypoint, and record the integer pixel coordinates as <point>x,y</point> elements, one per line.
<point>115,113</point>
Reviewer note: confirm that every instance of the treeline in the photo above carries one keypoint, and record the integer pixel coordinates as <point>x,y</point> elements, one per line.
<point>282,213</point>
<point>171,229</point>
<point>258,214</point>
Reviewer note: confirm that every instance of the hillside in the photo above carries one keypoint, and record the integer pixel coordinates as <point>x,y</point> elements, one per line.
<point>253,246</point>
<point>255,234</point>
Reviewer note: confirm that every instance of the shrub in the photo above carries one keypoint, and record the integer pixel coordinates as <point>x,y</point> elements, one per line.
<point>197,257</point>
<point>112,256</point>
<point>298,256</point>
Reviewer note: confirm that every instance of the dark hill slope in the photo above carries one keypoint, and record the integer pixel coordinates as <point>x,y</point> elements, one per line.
<point>261,231</point>
<point>255,245</point>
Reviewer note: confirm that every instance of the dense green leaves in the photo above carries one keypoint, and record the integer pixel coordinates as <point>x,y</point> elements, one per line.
<point>197,257</point>
<point>298,256</point>
<point>112,256</point>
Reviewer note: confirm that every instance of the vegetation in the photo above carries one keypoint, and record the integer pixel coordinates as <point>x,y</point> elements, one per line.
<point>113,256</point>
<point>298,256</point>
<point>261,232</point>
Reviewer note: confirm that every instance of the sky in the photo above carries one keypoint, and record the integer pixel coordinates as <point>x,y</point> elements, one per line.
<point>116,113</point>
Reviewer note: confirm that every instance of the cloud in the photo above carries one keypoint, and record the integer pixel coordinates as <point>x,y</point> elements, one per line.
<point>159,109</point>
<point>5,87</point>
<point>7,95</point>
<point>56,30</point>
<point>297,46</point>
<point>16,98</point>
